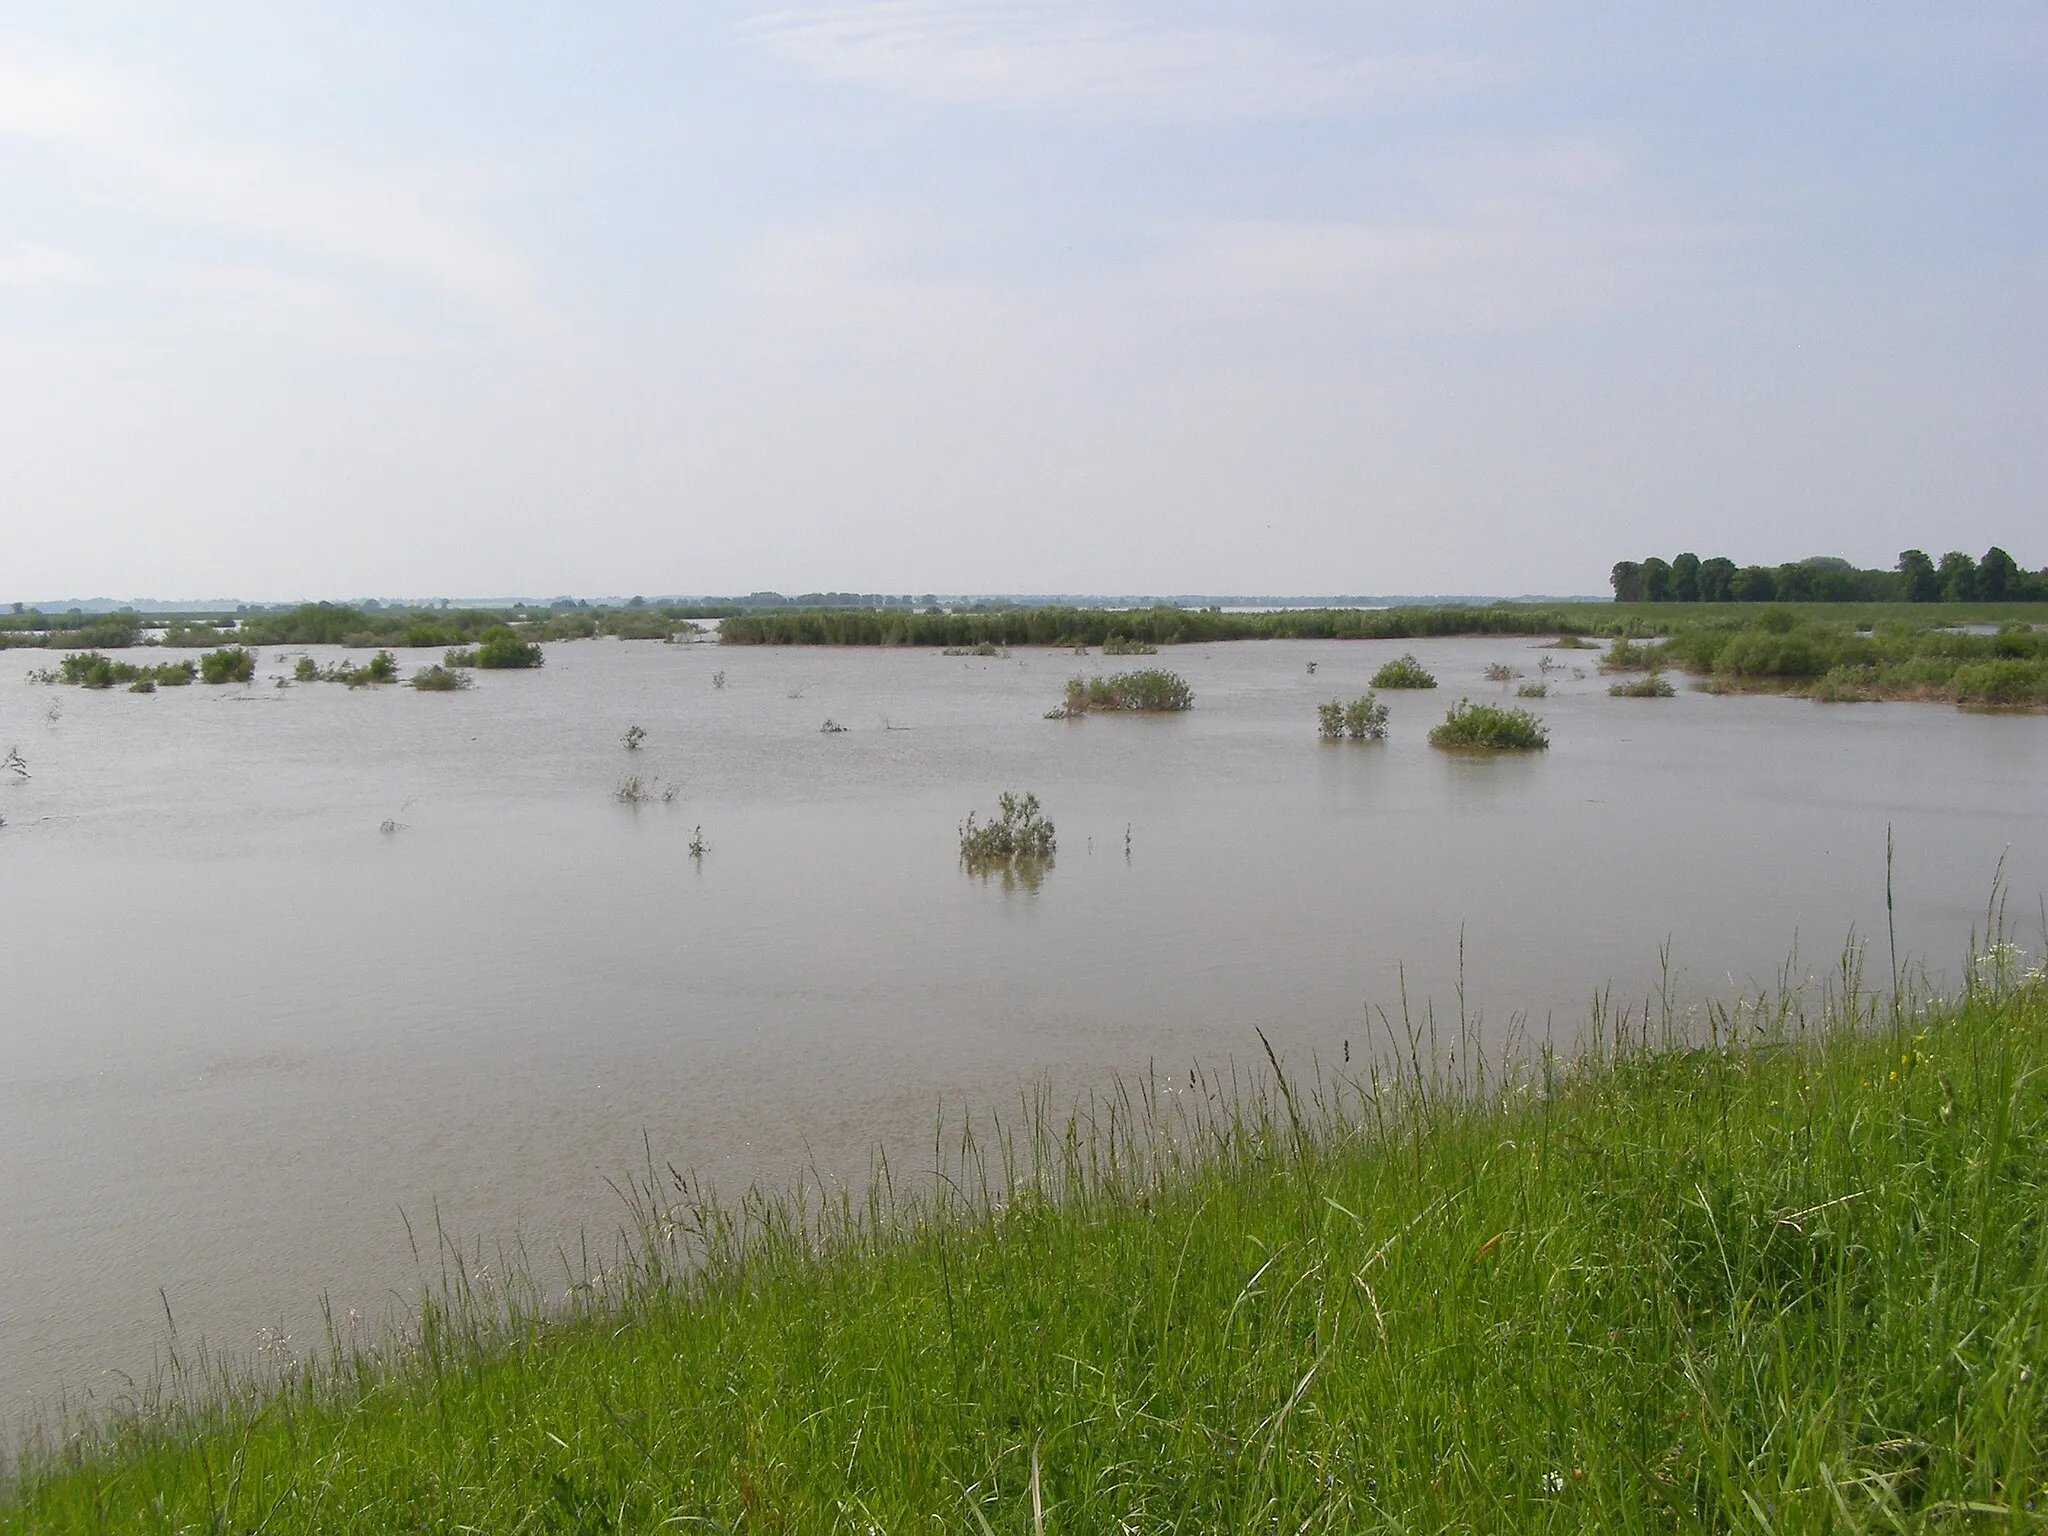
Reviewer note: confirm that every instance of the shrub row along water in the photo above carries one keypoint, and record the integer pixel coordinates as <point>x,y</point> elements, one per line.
<point>1785,1277</point>
<point>1783,651</point>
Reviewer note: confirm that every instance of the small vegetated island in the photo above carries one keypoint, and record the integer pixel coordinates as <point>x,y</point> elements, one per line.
<point>1403,672</point>
<point>1362,719</point>
<point>1150,692</point>
<point>1018,843</point>
<point>1489,728</point>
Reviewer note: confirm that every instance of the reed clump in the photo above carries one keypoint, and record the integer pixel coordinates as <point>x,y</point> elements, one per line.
<point>1152,691</point>
<point>1779,1272</point>
<point>1403,672</point>
<point>1124,645</point>
<point>1490,727</point>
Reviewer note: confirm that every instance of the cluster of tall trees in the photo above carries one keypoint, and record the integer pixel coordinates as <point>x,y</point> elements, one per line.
<point>1917,578</point>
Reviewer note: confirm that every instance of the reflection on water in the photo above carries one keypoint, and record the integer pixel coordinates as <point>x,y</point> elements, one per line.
<point>243,1028</point>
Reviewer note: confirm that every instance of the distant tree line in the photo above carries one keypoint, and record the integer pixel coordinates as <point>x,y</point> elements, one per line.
<point>1997,578</point>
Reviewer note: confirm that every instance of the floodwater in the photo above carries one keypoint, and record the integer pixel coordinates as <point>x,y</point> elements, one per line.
<point>245,1033</point>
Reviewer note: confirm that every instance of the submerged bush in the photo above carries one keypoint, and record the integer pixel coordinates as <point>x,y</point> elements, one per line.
<point>1655,686</point>
<point>1499,672</point>
<point>1362,719</point>
<point>1491,726</point>
<point>1123,645</point>
<point>985,648</point>
<point>1149,692</point>
<point>439,679</point>
<point>1403,672</point>
<point>1019,832</point>
<point>458,657</point>
<point>1532,690</point>
<point>231,664</point>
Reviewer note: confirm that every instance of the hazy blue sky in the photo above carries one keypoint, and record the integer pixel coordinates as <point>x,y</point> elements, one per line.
<point>304,299</point>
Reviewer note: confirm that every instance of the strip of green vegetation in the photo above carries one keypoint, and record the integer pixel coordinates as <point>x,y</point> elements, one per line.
<point>1056,626</point>
<point>1490,727</point>
<point>1793,1280</point>
<point>380,668</point>
<point>1795,651</point>
<point>89,669</point>
<point>1152,691</point>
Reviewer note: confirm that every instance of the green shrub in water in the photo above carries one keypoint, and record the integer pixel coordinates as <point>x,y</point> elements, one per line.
<point>89,669</point>
<point>1149,692</point>
<point>1490,726</point>
<point>1018,832</point>
<point>230,664</point>
<point>502,650</point>
<point>1654,686</point>
<point>1362,719</point>
<point>438,679</point>
<point>1403,672</point>
<point>1123,645</point>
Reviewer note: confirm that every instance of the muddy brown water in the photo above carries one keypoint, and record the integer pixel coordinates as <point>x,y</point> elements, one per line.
<point>243,1030</point>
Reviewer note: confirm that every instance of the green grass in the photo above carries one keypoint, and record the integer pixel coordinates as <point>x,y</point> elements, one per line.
<point>1151,691</point>
<point>1403,672</point>
<point>1489,727</point>
<point>1792,1277</point>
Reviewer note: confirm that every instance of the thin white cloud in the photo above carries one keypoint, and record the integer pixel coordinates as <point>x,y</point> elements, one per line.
<point>1061,56</point>
<point>1490,274</point>
<point>32,268</point>
<point>135,148</point>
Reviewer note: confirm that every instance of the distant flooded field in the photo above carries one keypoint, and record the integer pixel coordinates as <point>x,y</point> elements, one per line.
<point>280,964</point>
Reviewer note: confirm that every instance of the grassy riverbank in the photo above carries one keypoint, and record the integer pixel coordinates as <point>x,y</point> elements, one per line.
<point>1795,1280</point>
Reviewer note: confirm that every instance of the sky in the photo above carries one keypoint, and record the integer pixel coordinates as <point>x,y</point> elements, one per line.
<point>322,300</point>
